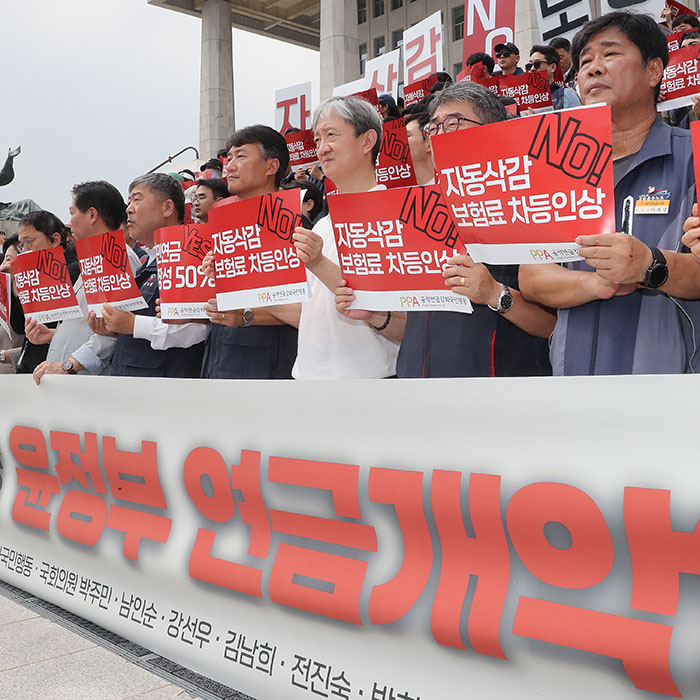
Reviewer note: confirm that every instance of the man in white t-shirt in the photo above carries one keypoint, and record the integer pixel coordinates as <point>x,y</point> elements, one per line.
<point>359,344</point>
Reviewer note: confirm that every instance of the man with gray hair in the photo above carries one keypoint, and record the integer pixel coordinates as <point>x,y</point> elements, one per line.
<point>357,345</point>
<point>146,346</point>
<point>504,336</point>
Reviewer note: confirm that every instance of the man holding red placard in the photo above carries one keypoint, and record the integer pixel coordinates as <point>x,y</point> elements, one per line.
<point>96,208</point>
<point>256,343</point>
<point>622,310</point>
<point>360,344</point>
<point>146,346</point>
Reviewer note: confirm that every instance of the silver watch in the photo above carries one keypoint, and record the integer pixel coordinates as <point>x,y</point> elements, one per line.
<point>248,318</point>
<point>505,301</point>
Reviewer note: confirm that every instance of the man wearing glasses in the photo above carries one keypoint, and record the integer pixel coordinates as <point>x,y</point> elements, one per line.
<point>508,57</point>
<point>504,336</point>
<point>547,58</point>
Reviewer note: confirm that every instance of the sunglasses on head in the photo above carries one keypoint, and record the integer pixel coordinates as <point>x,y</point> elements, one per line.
<point>503,54</point>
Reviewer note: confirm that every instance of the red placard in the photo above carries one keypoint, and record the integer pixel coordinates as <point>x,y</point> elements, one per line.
<point>393,246</point>
<point>674,40</point>
<point>370,96</point>
<point>522,191</point>
<point>476,74</point>
<point>487,24</point>
<point>255,259</point>
<point>530,90</point>
<point>695,136</point>
<point>679,9</point>
<point>106,273</point>
<point>44,287</point>
<point>415,92</point>
<point>183,286</point>
<point>5,301</point>
<point>302,149</point>
<point>681,78</point>
<point>394,165</point>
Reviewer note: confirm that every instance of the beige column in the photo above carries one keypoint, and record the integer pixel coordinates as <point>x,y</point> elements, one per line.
<point>216,115</point>
<point>340,59</point>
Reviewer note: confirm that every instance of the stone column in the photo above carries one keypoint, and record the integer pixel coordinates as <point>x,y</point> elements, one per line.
<point>527,31</point>
<point>216,115</point>
<point>340,58</point>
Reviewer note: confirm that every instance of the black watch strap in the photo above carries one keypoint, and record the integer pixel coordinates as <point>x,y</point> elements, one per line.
<point>657,273</point>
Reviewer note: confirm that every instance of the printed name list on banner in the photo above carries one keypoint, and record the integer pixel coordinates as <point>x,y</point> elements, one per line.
<point>530,90</point>
<point>106,273</point>
<point>393,246</point>
<point>422,45</point>
<point>522,194</point>
<point>184,288</point>
<point>44,287</point>
<point>681,78</point>
<point>302,149</point>
<point>5,301</point>
<point>394,165</point>
<point>255,260</point>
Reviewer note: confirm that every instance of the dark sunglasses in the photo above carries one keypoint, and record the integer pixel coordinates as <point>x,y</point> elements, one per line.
<point>536,65</point>
<point>503,54</point>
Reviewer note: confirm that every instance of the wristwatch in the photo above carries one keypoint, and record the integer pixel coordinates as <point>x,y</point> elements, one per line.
<point>2,357</point>
<point>657,272</point>
<point>505,301</point>
<point>248,318</point>
<point>67,367</point>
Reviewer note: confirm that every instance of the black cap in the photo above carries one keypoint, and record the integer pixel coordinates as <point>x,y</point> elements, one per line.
<point>509,46</point>
<point>387,99</point>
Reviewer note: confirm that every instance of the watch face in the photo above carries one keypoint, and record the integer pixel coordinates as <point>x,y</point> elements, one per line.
<point>658,275</point>
<point>506,301</point>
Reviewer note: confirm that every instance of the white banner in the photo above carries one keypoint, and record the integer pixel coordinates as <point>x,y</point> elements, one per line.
<point>351,88</point>
<point>651,7</point>
<point>561,17</point>
<point>382,73</point>
<point>422,49</point>
<point>487,538</point>
<point>293,107</point>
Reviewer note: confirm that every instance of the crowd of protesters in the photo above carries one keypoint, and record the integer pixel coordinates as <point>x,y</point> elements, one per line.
<point>632,305</point>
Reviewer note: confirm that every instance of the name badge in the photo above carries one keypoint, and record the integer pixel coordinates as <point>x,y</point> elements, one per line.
<point>653,202</point>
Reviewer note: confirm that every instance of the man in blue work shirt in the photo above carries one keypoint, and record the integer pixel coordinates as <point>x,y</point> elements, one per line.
<point>626,308</point>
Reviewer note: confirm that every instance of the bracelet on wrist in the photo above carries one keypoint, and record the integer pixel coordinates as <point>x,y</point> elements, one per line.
<point>379,329</point>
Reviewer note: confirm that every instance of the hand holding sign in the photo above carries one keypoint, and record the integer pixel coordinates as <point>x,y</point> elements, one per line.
<point>472,279</point>
<point>616,257</point>
<point>232,318</point>
<point>98,325</point>
<point>120,322</point>
<point>691,237</point>
<point>344,296</point>
<point>37,333</point>
<point>309,246</point>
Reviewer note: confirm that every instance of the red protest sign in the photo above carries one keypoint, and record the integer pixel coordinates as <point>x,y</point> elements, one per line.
<point>370,96</point>
<point>255,259</point>
<point>302,149</point>
<point>183,286</point>
<point>681,78</point>
<point>679,9</point>
<point>44,287</point>
<point>479,77</point>
<point>5,301</point>
<point>675,40</point>
<point>523,190</point>
<point>394,165</point>
<point>695,136</point>
<point>393,246</point>
<point>530,90</point>
<point>106,273</point>
<point>415,92</point>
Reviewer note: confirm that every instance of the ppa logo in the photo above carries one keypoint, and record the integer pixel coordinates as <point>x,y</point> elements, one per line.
<point>540,255</point>
<point>409,302</point>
